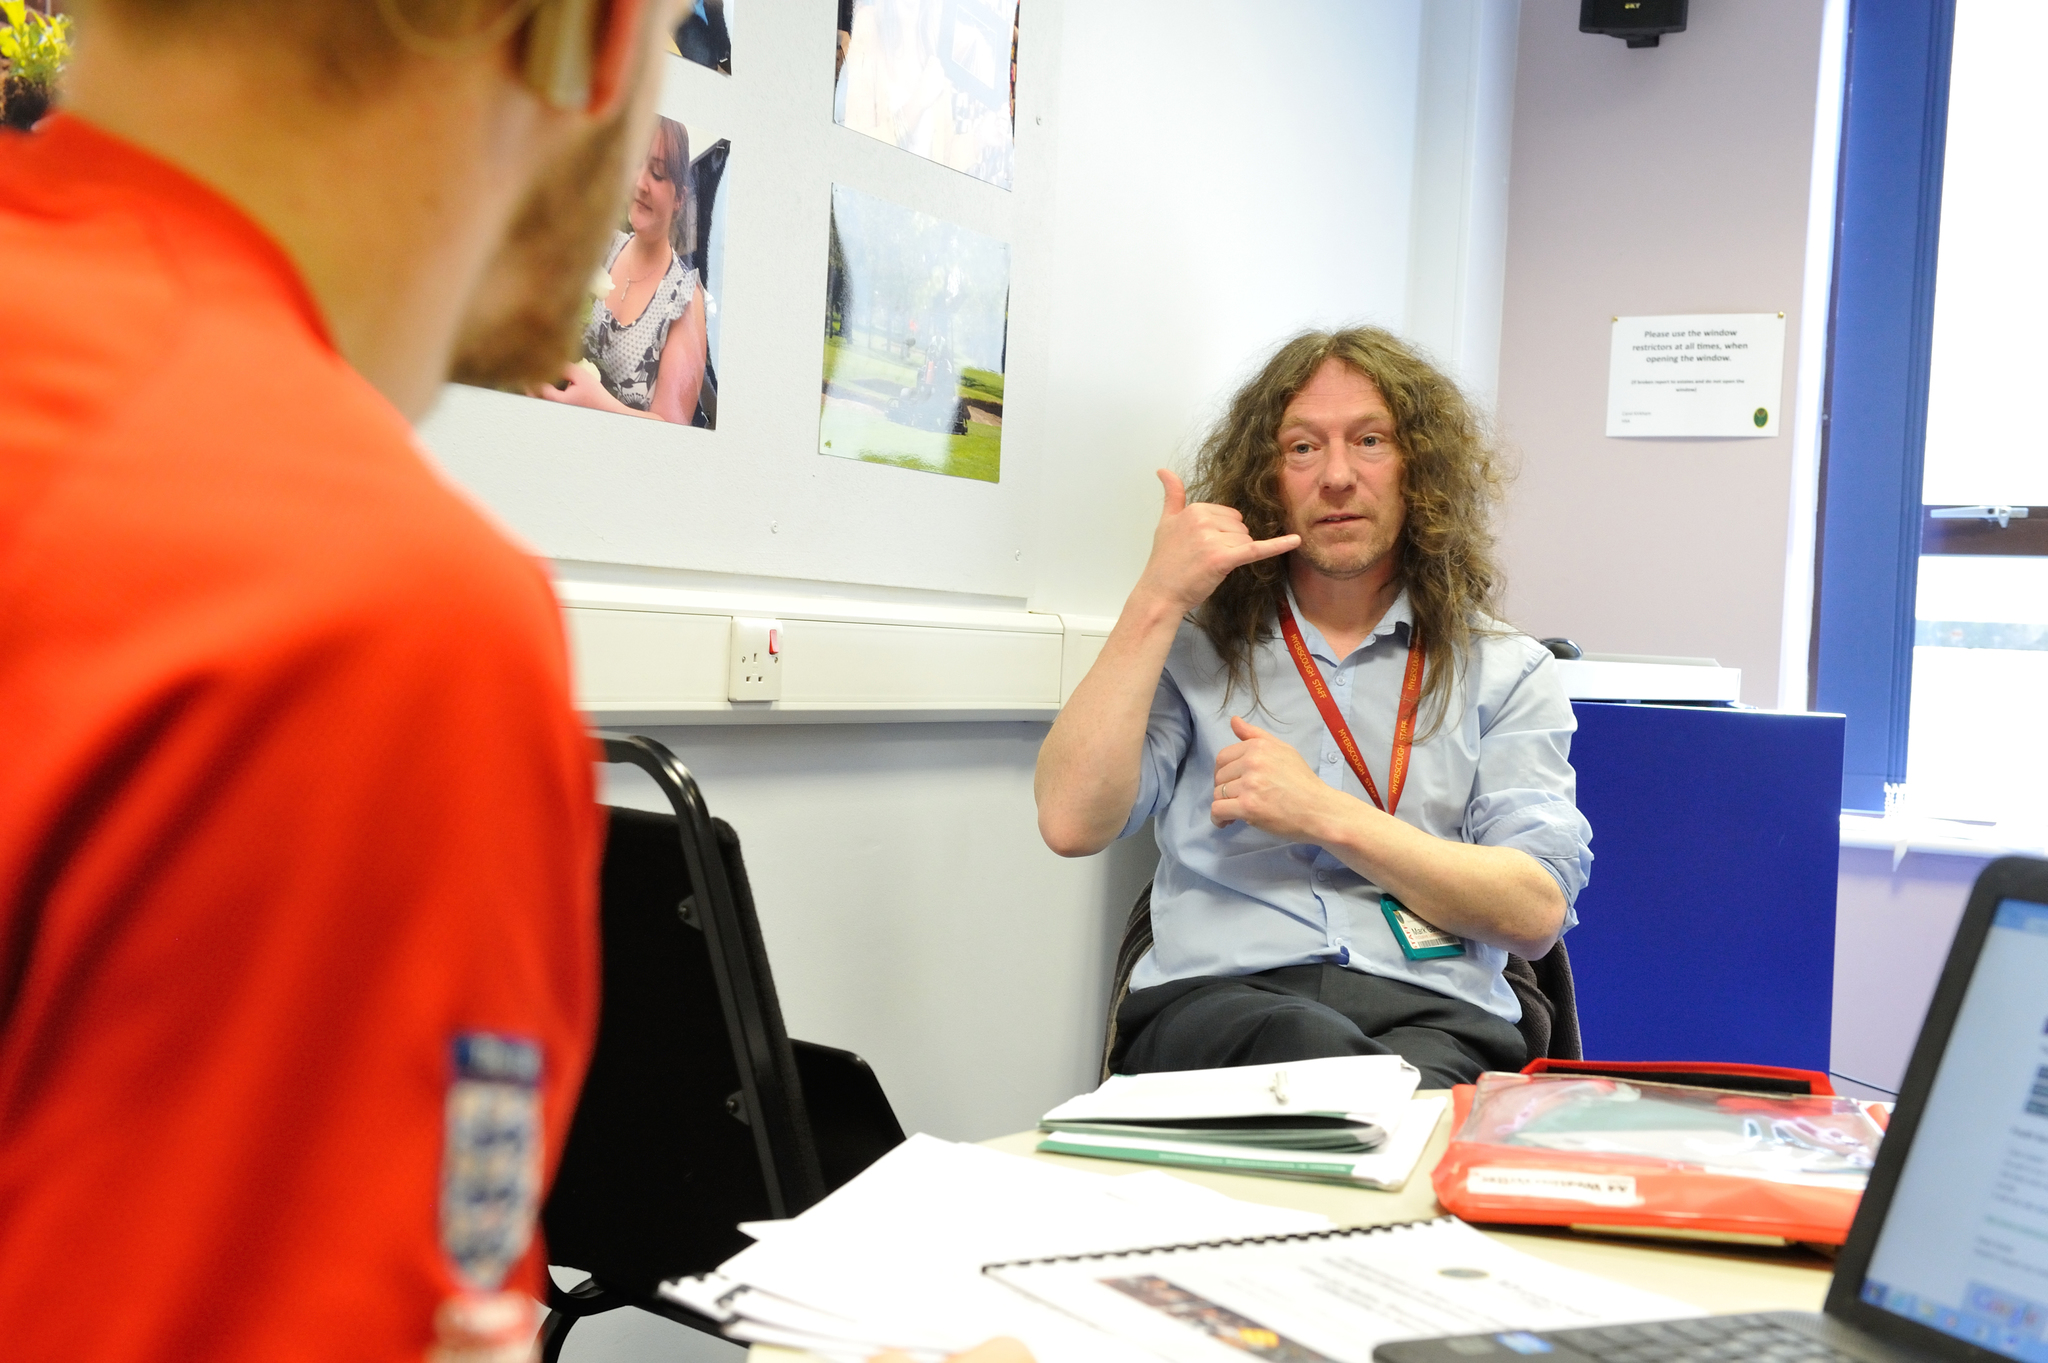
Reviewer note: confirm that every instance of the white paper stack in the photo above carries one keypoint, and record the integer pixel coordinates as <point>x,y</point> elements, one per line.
<point>1336,1086</point>
<point>894,1258</point>
<point>1344,1119</point>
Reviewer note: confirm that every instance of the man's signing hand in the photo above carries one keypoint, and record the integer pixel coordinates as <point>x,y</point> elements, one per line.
<point>1197,545</point>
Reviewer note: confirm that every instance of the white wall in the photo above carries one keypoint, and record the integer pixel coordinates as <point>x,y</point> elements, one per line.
<point>1224,180</point>
<point>1664,180</point>
<point>1462,154</point>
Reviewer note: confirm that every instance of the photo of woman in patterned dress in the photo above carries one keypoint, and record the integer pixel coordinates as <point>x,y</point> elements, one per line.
<point>644,348</point>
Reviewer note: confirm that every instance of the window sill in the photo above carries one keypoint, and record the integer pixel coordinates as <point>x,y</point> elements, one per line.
<point>1900,834</point>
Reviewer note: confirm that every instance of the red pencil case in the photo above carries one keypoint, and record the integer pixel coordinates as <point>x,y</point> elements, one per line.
<point>1741,1152</point>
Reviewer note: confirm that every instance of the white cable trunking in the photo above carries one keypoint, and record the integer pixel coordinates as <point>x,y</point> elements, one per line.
<point>647,654</point>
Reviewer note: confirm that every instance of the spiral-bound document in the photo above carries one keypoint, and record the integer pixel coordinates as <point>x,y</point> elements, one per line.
<point>1324,1297</point>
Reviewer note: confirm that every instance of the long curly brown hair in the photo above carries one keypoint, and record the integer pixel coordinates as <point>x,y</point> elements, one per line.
<point>1451,478</point>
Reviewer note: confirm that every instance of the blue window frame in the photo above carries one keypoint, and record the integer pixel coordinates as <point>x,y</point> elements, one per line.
<point>1880,337</point>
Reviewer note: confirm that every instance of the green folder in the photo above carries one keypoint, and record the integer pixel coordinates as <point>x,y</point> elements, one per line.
<point>1337,1171</point>
<point>1296,1131</point>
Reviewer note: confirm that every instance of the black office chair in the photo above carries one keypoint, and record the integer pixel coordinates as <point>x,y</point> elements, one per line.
<point>1550,1007</point>
<point>698,1112</point>
<point>1550,1010</point>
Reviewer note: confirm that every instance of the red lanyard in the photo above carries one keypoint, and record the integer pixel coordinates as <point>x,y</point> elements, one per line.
<point>1404,724</point>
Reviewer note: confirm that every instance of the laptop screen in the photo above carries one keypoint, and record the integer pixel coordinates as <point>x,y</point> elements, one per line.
<point>1964,1246</point>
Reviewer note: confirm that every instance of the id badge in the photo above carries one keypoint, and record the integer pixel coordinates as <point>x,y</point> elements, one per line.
<point>1419,940</point>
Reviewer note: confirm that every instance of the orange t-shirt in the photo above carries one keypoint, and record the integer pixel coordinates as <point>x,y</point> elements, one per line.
<point>293,800</point>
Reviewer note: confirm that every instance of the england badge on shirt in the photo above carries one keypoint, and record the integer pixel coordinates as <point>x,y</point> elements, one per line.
<point>490,1167</point>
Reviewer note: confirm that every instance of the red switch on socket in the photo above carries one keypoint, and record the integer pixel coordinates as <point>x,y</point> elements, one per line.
<point>774,641</point>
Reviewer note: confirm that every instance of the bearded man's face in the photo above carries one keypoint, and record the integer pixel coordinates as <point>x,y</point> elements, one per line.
<point>525,322</point>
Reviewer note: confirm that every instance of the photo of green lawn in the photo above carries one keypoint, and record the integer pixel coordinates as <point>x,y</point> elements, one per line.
<point>916,324</point>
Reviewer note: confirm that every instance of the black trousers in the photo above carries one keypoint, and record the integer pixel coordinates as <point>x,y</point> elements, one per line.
<point>1303,1012</point>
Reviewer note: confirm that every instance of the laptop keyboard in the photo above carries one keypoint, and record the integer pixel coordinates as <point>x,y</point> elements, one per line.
<point>1709,1339</point>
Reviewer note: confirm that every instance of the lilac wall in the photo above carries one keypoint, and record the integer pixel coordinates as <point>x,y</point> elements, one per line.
<point>1892,930</point>
<point>1665,180</point>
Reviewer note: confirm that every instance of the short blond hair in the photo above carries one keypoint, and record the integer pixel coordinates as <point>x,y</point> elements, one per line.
<point>349,48</point>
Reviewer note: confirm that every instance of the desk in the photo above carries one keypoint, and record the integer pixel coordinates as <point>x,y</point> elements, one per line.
<point>1714,1277</point>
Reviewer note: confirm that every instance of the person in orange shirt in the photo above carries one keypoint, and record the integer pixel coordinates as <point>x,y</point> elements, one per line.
<point>297,830</point>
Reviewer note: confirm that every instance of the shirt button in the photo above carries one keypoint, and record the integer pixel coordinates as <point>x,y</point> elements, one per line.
<point>1329,757</point>
<point>1343,679</point>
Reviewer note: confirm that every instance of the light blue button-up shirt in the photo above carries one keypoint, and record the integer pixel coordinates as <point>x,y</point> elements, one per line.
<point>1236,900</point>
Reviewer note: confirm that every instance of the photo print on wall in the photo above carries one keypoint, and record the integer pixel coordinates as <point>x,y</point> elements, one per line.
<point>916,330</point>
<point>934,77</point>
<point>650,342</point>
<point>703,37</point>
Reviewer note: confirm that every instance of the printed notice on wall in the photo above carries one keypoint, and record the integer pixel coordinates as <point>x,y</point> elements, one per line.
<point>1705,374</point>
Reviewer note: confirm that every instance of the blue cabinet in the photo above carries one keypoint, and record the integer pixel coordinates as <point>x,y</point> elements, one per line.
<point>1708,930</point>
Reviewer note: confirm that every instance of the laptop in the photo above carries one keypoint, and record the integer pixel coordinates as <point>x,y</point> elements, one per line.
<point>1948,1255</point>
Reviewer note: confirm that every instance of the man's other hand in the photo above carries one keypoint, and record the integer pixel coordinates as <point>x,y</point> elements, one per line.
<point>1196,546</point>
<point>1266,783</point>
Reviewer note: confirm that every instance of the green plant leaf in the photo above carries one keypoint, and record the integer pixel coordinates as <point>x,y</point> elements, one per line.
<point>36,46</point>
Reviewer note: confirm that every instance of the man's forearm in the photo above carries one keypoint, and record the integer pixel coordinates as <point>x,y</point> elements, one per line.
<point>1088,767</point>
<point>1496,895</point>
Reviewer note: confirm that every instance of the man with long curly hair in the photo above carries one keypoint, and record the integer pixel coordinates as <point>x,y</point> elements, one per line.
<point>1360,776</point>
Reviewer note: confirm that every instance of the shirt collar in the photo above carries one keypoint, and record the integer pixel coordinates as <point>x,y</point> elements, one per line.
<point>216,235</point>
<point>1398,622</point>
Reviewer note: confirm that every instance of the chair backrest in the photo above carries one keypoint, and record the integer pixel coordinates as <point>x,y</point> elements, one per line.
<point>1550,1011</point>
<point>1550,1008</point>
<point>851,1118</point>
<point>692,1117</point>
<point>1137,940</point>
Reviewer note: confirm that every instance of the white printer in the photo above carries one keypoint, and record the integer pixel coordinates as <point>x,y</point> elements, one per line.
<point>1634,677</point>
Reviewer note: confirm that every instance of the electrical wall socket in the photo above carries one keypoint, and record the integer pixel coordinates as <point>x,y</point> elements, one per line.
<point>754,660</point>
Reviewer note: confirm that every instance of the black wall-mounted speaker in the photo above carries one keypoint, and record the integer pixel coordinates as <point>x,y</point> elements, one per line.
<point>1639,22</point>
